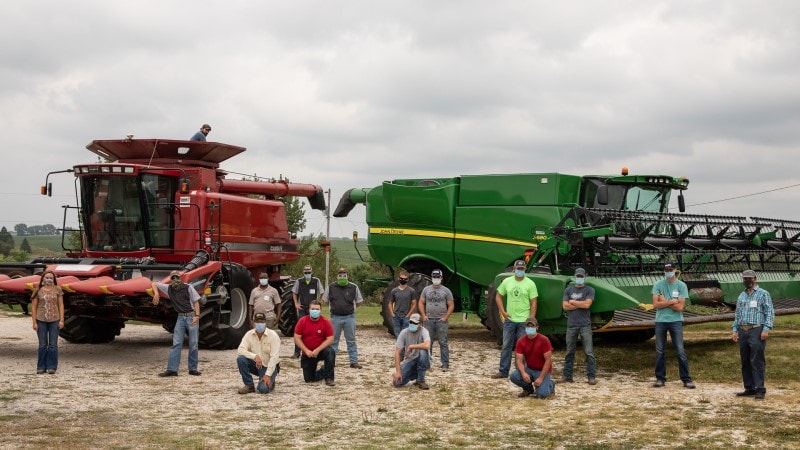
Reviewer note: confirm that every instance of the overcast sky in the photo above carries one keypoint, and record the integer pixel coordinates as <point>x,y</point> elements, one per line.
<point>350,93</point>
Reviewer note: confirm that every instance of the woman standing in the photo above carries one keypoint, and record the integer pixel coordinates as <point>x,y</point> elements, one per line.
<point>48,318</point>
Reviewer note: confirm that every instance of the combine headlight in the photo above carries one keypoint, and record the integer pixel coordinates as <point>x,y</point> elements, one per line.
<point>105,169</point>
<point>128,169</point>
<point>116,169</point>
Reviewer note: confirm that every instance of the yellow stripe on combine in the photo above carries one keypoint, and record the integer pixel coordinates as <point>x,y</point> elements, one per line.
<point>446,235</point>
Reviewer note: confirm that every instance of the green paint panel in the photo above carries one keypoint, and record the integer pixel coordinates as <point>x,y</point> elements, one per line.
<point>525,189</point>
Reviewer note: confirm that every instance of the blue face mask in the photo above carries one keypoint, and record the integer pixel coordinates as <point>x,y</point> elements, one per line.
<point>307,276</point>
<point>669,274</point>
<point>261,327</point>
<point>530,331</point>
<point>519,273</point>
<point>580,280</point>
<point>314,313</point>
<point>413,327</point>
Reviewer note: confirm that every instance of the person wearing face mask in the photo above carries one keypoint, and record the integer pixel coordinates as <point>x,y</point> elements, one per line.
<point>259,354</point>
<point>754,319</point>
<point>534,363</point>
<point>435,306</point>
<point>415,343</point>
<point>47,302</point>
<point>669,299</point>
<point>343,297</point>
<point>577,300</point>
<point>402,303</point>
<point>264,299</point>
<point>186,301</point>
<point>304,291</point>
<point>522,295</point>
<point>314,335</point>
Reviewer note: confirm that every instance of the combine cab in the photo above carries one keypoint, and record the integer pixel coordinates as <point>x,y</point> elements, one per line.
<point>158,206</point>
<point>617,227</point>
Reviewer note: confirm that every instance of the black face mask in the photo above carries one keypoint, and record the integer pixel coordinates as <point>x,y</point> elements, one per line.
<point>402,281</point>
<point>749,283</point>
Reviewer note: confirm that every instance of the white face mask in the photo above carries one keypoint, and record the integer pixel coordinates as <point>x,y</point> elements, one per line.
<point>437,281</point>
<point>264,281</point>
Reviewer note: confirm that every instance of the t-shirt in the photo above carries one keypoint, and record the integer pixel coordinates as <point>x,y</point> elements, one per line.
<point>264,300</point>
<point>407,338</point>
<point>518,297</point>
<point>670,291</point>
<point>402,299</point>
<point>313,332</point>
<point>47,307</point>
<point>534,349</point>
<point>436,299</point>
<point>578,317</point>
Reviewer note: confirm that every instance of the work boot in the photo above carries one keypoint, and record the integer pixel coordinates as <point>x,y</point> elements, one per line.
<point>658,384</point>
<point>564,379</point>
<point>760,396</point>
<point>746,393</point>
<point>246,389</point>
<point>689,385</point>
<point>592,381</point>
<point>422,385</point>
<point>330,383</point>
<point>168,373</point>
<point>355,365</point>
<point>524,394</point>
<point>498,375</point>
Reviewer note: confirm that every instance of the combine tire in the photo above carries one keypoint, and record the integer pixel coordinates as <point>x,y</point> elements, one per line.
<point>87,330</point>
<point>417,281</point>
<point>288,318</point>
<point>223,326</point>
<point>493,321</point>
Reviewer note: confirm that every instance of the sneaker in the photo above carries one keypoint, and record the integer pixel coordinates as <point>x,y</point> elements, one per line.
<point>592,381</point>
<point>246,389</point>
<point>658,383</point>
<point>422,385</point>
<point>196,373</point>
<point>498,375</point>
<point>355,365</point>
<point>689,385</point>
<point>524,394</point>
<point>564,379</point>
<point>445,368</point>
<point>168,373</point>
<point>39,371</point>
<point>759,396</point>
<point>330,383</point>
<point>51,371</point>
<point>746,393</point>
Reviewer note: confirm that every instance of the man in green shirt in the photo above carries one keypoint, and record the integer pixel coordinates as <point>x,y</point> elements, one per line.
<point>521,295</point>
<point>669,299</point>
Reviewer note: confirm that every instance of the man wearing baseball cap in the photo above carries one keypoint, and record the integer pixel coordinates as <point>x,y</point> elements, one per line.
<point>259,354</point>
<point>521,295</point>
<point>201,135</point>
<point>435,306</point>
<point>304,291</point>
<point>415,343</point>
<point>669,299</point>
<point>185,300</point>
<point>577,300</point>
<point>343,297</point>
<point>534,363</point>
<point>755,317</point>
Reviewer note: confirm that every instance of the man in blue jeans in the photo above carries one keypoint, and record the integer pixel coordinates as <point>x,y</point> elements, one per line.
<point>435,306</point>
<point>669,299</point>
<point>415,343</point>
<point>344,297</point>
<point>185,300</point>
<point>577,300</point>
<point>534,363</point>
<point>522,295</point>
<point>259,354</point>
<point>755,317</point>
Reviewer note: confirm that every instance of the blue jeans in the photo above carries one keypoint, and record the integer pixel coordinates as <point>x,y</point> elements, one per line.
<point>183,325</point>
<point>588,350</point>
<point>348,323</point>
<point>301,313</point>
<point>399,323</point>
<point>512,332</point>
<point>437,328</point>
<point>247,368</point>
<point>415,369</point>
<point>542,391</point>
<point>675,330</point>
<point>309,366</point>
<point>47,332</point>
<point>754,366</point>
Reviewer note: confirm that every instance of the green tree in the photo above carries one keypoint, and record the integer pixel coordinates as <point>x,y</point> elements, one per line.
<point>6,242</point>
<point>371,279</point>
<point>25,246</point>
<point>295,215</point>
<point>21,229</point>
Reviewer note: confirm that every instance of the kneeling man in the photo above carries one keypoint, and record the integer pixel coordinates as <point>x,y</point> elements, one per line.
<point>415,343</point>
<point>534,363</point>
<point>259,355</point>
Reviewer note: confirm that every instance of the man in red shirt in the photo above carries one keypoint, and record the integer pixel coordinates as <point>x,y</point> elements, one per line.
<point>313,334</point>
<point>534,363</point>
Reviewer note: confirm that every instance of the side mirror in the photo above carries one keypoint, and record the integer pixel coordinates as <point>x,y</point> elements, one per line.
<point>602,194</point>
<point>681,202</point>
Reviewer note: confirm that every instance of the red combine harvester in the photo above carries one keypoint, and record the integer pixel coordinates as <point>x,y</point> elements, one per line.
<point>157,206</point>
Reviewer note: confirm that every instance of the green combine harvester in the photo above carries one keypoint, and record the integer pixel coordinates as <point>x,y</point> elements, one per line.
<point>618,228</point>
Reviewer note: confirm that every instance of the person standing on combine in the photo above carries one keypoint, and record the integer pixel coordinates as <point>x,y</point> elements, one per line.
<point>755,318</point>
<point>314,335</point>
<point>47,303</point>
<point>415,343</point>
<point>186,301</point>
<point>522,296</point>
<point>669,299</point>
<point>435,305</point>
<point>259,354</point>
<point>534,363</point>
<point>264,299</point>
<point>344,297</point>
<point>304,291</point>
<point>201,135</point>
<point>577,300</point>
<point>402,303</point>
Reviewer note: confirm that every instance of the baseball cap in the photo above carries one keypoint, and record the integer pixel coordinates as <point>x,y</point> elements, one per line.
<point>414,318</point>
<point>669,266</point>
<point>175,273</point>
<point>436,273</point>
<point>531,321</point>
<point>306,268</point>
<point>520,264</point>
<point>206,126</point>
<point>749,274</point>
<point>342,270</point>
<point>259,316</point>
<point>580,272</point>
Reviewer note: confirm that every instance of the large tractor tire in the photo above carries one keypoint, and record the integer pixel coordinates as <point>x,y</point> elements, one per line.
<point>223,326</point>
<point>493,320</point>
<point>417,281</point>
<point>288,318</point>
<point>87,330</point>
